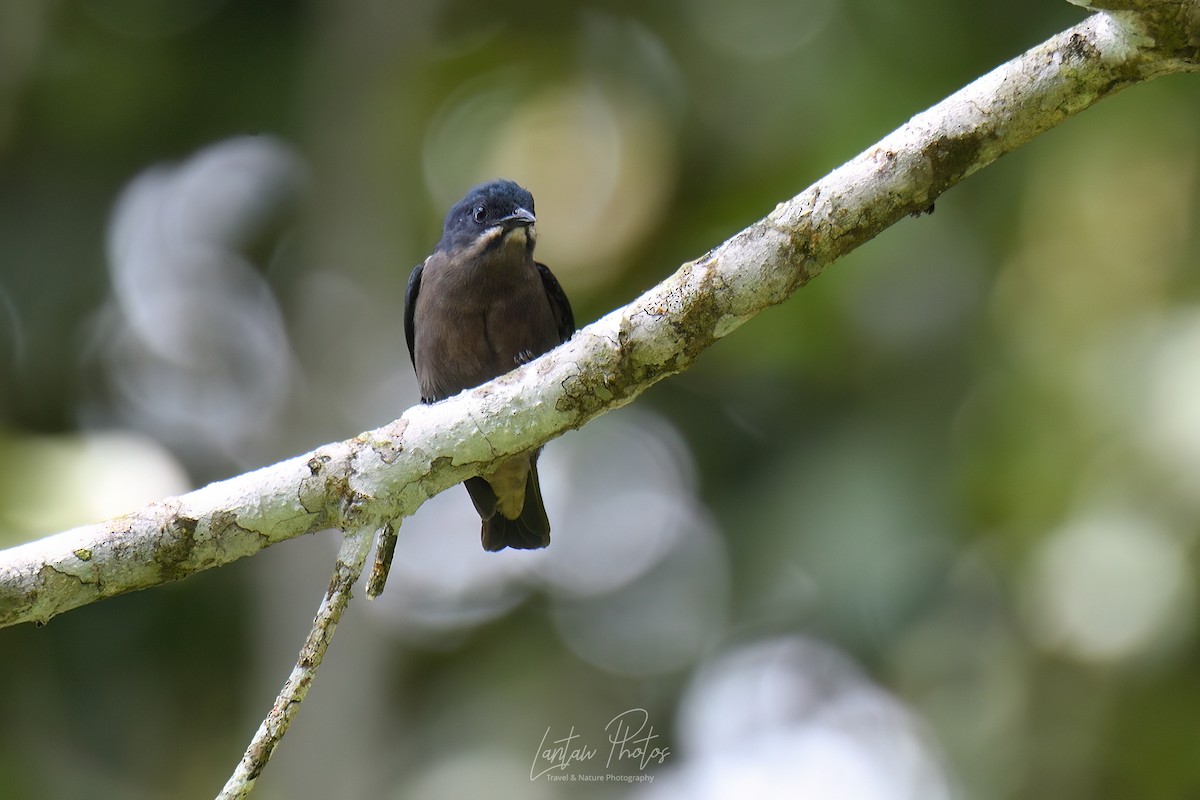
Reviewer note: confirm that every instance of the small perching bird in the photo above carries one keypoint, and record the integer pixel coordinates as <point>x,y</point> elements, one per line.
<point>477,308</point>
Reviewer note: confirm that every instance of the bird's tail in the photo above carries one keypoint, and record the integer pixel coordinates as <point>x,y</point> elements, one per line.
<point>529,531</point>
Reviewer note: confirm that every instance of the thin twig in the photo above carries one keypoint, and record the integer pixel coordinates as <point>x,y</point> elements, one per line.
<point>351,558</point>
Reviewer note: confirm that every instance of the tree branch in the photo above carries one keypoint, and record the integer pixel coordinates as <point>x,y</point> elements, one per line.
<point>386,474</point>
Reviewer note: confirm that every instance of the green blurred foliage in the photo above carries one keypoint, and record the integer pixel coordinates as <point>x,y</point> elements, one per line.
<point>965,457</point>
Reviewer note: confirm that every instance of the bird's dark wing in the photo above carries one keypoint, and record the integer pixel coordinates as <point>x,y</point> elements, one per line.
<point>559,303</point>
<point>410,305</point>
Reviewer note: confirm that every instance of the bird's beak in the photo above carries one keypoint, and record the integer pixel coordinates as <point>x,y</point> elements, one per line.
<point>519,217</point>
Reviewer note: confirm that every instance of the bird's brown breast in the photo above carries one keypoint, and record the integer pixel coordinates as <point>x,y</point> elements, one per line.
<point>477,318</point>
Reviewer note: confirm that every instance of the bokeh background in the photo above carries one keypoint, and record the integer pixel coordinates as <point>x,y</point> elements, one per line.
<point>928,530</point>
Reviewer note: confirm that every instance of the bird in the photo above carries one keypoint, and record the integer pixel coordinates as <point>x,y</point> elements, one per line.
<point>476,308</point>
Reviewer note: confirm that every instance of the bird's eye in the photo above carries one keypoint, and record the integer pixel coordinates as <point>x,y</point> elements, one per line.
<point>479,214</point>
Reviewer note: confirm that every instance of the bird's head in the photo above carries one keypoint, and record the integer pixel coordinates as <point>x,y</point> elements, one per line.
<point>491,215</point>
